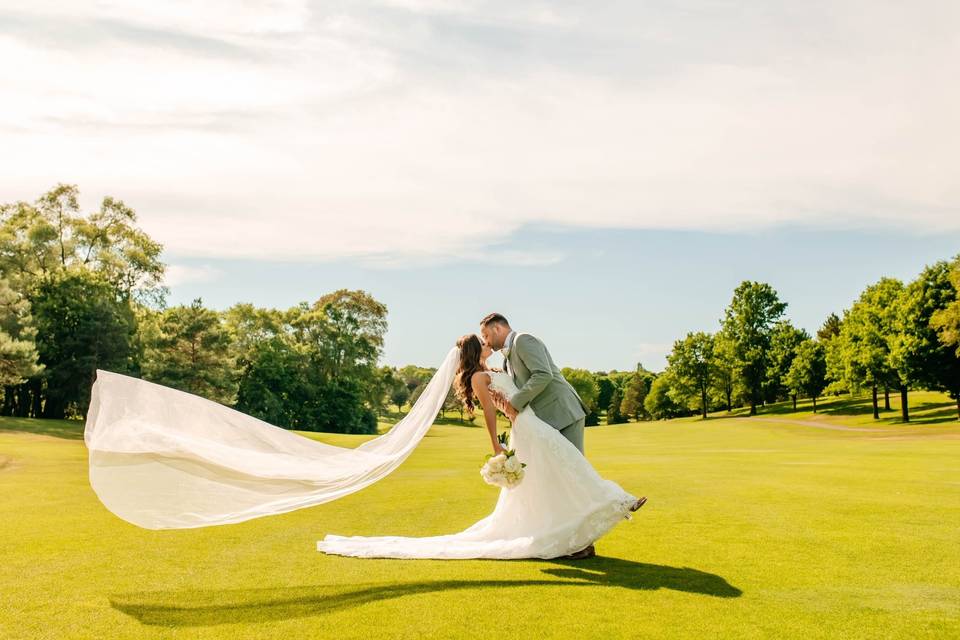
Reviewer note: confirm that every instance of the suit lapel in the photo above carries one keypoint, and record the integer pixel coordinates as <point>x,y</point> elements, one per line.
<point>510,357</point>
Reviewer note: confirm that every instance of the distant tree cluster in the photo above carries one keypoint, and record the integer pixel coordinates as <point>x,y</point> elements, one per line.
<point>893,337</point>
<point>617,395</point>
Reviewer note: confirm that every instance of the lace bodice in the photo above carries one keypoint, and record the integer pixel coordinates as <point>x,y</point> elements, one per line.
<point>502,382</point>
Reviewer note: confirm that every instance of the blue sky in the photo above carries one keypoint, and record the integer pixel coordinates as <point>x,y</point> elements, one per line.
<point>610,299</point>
<point>603,175</point>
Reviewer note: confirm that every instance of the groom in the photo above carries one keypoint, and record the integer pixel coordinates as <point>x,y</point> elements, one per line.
<point>541,384</point>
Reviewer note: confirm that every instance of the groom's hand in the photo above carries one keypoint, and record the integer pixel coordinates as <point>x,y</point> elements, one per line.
<point>510,411</point>
<point>499,400</point>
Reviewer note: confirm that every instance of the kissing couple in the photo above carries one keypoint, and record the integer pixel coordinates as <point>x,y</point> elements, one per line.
<point>563,505</point>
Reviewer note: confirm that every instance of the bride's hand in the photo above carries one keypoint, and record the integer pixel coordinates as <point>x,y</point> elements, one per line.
<point>498,449</point>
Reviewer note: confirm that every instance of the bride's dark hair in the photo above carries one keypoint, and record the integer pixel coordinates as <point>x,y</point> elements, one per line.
<point>470,363</point>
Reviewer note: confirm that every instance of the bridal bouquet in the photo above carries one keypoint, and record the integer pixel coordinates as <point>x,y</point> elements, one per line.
<point>503,469</point>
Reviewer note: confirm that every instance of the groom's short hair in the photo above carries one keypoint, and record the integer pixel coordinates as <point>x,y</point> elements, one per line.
<point>494,318</point>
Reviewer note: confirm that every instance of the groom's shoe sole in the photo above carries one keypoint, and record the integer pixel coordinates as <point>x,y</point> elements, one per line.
<point>583,554</point>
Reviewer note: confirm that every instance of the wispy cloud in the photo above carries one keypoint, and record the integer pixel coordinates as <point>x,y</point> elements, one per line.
<point>412,130</point>
<point>177,274</point>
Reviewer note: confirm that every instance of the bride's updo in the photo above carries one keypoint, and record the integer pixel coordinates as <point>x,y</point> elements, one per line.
<point>470,349</point>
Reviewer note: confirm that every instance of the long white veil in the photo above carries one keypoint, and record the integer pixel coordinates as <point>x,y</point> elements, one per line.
<point>161,458</point>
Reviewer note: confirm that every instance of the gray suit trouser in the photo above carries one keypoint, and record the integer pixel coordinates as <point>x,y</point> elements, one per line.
<point>574,433</point>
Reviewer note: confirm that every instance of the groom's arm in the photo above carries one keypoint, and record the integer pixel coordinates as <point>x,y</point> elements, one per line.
<point>534,357</point>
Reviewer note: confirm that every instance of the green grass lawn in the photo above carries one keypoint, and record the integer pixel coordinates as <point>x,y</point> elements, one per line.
<point>764,527</point>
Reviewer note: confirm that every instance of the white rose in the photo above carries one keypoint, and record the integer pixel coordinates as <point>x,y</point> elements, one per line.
<point>512,464</point>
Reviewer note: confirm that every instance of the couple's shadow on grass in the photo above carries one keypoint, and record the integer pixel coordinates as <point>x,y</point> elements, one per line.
<point>210,607</point>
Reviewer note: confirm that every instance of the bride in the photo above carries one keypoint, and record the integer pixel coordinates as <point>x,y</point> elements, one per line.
<point>559,509</point>
<point>161,458</point>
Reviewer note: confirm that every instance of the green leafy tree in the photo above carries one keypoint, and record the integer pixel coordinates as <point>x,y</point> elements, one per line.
<point>336,405</point>
<point>46,245</point>
<point>784,339</point>
<point>250,327</point>
<point>43,240</point>
<point>692,364</point>
<point>18,347</point>
<point>660,403</point>
<point>606,387</point>
<point>866,336</point>
<point>587,388</point>
<point>345,332</point>
<point>417,392</point>
<point>724,367</point>
<point>275,383</point>
<point>808,371</point>
<point>314,367</point>
<point>380,389</point>
<point>830,337</point>
<point>192,351</point>
<point>917,351</point>
<point>748,322</point>
<point>614,414</point>
<point>946,321</point>
<point>452,403</point>
<point>621,378</point>
<point>830,328</point>
<point>81,326</point>
<point>634,395</point>
<point>414,377</point>
<point>273,376</point>
<point>399,392</point>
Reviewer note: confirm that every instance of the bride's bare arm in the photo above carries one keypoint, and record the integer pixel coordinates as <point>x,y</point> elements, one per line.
<point>481,391</point>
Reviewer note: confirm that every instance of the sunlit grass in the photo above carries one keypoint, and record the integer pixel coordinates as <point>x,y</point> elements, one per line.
<point>754,528</point>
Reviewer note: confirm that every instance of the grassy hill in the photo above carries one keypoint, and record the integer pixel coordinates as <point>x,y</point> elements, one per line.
<point>785,525</point>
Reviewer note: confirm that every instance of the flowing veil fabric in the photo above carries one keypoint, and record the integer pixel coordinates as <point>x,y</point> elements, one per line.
<point>161,458</point>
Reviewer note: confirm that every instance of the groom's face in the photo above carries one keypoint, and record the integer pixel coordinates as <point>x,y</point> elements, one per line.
<point>493,336</point>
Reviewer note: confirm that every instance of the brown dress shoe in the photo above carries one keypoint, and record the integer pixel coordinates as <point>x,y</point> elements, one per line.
<point>587,552</point>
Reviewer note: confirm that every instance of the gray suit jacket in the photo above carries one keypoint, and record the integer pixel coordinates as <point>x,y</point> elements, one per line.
<point>541,384</point>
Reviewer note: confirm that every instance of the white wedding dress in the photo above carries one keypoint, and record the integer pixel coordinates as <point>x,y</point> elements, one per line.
<point>561,505</point>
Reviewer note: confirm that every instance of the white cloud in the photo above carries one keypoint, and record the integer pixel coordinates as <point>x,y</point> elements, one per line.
<point>177,274</point>
<point>418,130</point>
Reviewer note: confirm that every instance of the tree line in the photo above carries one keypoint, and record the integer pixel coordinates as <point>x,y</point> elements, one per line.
<point>84,292</point>
<point>895,337</point>
<point>81,292</point>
